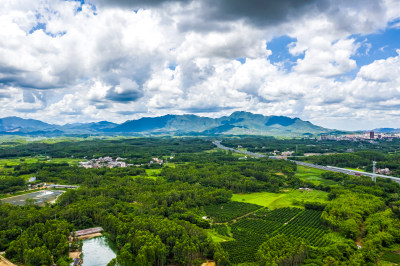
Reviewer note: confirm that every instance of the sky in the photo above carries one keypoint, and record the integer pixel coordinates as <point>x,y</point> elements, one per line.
<point>335,63</point>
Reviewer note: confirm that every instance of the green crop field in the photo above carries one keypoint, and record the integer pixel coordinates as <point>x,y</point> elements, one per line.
<point>228,211</point>
<point>292,198</point>
<point>250,232</point>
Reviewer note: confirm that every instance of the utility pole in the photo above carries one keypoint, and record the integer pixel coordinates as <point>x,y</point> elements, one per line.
<point>373,171</point>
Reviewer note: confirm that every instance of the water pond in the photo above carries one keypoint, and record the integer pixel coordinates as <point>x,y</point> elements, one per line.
<point>98,251</point>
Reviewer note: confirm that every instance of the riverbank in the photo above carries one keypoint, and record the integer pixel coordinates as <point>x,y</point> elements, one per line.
<point>77,254</point>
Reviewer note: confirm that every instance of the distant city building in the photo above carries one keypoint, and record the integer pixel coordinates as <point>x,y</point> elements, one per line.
<point>324,136</point>
<point>372,135</point>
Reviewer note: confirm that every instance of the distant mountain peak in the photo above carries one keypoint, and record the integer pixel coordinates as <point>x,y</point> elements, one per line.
<point>238,123</point>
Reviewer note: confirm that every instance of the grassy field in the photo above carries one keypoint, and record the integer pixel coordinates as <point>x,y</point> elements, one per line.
<point>28,160</point>
<point>293,198</point>
<point>153,173</point>
<point>355,169</point>
<point>216,237</point>
<point>312,175</point>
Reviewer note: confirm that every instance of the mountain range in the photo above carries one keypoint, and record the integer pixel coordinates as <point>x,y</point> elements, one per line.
<point>238,123</point>
<point>387,130</point>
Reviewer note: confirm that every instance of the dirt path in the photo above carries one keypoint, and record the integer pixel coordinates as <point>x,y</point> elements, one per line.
<point>359,239</point>
<point>5,262</point>
<point>240,217</point>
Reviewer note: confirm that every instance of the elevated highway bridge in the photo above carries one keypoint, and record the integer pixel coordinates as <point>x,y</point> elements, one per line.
<point>322,167</point>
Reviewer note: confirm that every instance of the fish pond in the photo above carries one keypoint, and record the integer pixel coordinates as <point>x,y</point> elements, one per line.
<point>98,251</point>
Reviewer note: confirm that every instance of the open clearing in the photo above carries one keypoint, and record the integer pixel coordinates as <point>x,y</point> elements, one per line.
<point>355,169</point>
<point>218,238</point>
<point>153,173</point>
<point>312,175</point>
<point>292,198</point>
<point>39,197</point>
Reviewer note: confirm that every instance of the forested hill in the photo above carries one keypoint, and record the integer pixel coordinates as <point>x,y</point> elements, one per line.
<point>238,123</point>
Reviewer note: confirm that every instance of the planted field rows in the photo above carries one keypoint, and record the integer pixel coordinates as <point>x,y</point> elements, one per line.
<point>228,211</point>
<point>250,232</point>
<point>306,225</point>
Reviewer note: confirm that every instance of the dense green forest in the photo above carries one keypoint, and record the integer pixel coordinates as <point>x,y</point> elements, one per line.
<point>134,148</point>
<point>182,213</point>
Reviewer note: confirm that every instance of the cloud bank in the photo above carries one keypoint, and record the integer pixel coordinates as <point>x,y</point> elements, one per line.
<point>73,61</point>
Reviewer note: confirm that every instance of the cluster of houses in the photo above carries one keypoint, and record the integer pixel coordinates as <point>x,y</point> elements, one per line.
<point>118,162</point>
<point>156,161</point>
<point>305,189</point>
<point>383,171</point>
<point>105,162</point>
<point>284,153</point>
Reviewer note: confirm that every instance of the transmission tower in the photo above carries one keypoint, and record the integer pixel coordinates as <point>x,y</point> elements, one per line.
<point>373,171</point>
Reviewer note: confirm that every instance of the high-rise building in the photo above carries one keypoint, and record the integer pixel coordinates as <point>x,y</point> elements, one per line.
<point>371,135</point>
<point>324,136</point>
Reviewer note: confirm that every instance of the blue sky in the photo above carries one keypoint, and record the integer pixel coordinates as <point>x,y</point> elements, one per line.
<point>379,45</point>
<point>333,63</point>
<point>279,47</point>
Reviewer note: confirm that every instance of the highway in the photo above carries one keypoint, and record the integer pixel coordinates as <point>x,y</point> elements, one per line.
<point>219,145</point>
<point>326,168</point>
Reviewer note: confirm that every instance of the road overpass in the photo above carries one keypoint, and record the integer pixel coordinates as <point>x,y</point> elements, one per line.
<point>322,167</point>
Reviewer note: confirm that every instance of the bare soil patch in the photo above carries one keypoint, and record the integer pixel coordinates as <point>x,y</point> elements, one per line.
<point>208,263</point>
<point>5,262</point>
<point>75,254</point>
<point>88,236</point>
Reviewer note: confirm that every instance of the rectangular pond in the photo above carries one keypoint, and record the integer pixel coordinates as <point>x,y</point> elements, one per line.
<point>39,197</point>
<point>97,251</point>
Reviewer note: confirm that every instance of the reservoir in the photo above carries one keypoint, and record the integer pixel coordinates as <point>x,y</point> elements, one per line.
<point>97,251</point>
